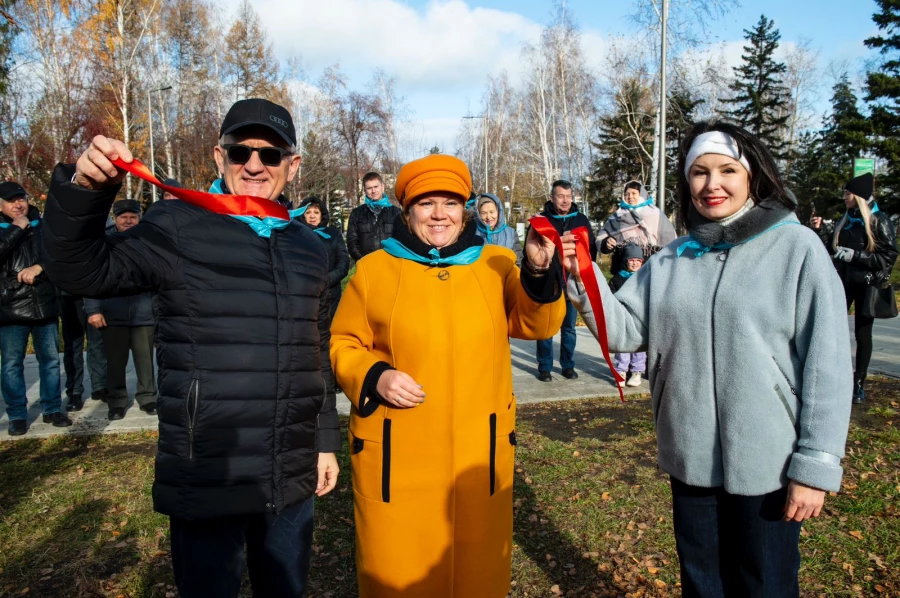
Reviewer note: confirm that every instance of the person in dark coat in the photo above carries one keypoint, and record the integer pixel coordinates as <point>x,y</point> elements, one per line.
<point>372,222</point>
<point>128,326</point>
<point>247,430</point>
<point>75,330</point>
<point>563,214</point>
<point>315,216</point>
<point>631,366</point>
<point>864,247</point>
<point>28,307</point>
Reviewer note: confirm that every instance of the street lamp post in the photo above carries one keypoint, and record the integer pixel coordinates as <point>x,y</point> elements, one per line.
<point>485,144</point>
<point>661,189</point>
<point>150,120</point>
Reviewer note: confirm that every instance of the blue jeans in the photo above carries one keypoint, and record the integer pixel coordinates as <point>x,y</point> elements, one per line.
<point>567,344</point>
<point>730,545</point>
<point>13,342</point>
<point>208,554</point>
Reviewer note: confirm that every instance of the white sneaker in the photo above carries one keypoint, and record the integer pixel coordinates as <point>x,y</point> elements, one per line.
<point>634,380</point>
<point>624,376</point>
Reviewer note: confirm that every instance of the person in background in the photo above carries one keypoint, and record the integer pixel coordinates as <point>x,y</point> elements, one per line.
<point>170,183</point>
<point>74,330</point>
<point>490,224</point>
<point>316,217</point>
<point>563,214</point>
<point>865,249</point>
<point>128,326</point>
<point>636,221</point>
<point>745,325</point>
<point>372,222</point>
<point>28,307</point>
<point>631,366</point>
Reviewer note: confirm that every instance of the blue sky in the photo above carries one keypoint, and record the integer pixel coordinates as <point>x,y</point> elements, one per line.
<point>441,51</point>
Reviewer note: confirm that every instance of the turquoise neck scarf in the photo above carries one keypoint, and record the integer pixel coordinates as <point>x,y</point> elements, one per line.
<point>565,216</point>
<point>487,231</point>
<point>321,232</point>
<point>699,249</point>
<point>397,249</point>
<point>851,221</point>
<point>628,206</point>
<point>263,227</point>
<point>470,204</point>
<point>384,202</point>
<point>625,273</point>
<point>33,224</point>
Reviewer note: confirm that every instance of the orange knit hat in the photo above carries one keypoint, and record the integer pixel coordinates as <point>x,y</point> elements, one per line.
<point>437,172</point>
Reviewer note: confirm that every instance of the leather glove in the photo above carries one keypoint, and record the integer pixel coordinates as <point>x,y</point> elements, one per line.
<point>844,254</point>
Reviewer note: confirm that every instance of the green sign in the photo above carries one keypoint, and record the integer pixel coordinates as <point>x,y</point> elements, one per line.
<point>863,165</point>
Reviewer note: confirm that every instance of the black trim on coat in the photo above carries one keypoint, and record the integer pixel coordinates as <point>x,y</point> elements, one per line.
<point>369,399</point>
<point>493,465</point>
<point>386,462</point>
<point>546,288</point>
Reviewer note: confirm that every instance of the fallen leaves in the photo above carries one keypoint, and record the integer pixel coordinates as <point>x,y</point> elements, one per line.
<point>856,534</point>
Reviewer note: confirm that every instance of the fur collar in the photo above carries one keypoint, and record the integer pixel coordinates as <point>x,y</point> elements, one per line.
<point>759,218</point>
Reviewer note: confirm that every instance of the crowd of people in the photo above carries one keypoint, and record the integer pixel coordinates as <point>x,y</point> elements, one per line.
<point>739,327</point>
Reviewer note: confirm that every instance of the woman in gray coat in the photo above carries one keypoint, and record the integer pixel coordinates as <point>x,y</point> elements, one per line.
<point>745,325</point>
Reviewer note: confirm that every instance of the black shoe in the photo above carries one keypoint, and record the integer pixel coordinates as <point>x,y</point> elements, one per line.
<point>99,395</point>
<point>544,376</point>
<point>75,403</point>
<point>17,427</point>
<point>859,392</point>
<point>58,419</point>
<point>149,408</point>
<point>570,374</point>
<point>116,413</point>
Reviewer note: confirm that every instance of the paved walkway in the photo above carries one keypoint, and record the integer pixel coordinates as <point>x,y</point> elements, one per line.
<point>594,380</point>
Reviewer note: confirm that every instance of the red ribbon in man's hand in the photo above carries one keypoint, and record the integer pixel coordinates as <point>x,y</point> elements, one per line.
<point>586,268</point>
<point>238,205</point>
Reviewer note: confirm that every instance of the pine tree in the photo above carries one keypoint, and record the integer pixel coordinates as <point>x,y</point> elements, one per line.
<point>760,99</point>
<point>883,83</point>
<point>7,33</point>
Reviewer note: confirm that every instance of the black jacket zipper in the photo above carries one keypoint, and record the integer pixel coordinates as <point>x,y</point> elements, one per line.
<point>193,402</point>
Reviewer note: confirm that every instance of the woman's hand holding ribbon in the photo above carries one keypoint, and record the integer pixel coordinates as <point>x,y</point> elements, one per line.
<point>569,258</point>
<point>539,250</point>
<point>94,168</point>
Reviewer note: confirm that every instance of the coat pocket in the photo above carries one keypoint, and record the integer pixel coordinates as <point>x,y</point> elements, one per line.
<point>370,463</point>
<point>192,407</point>
<point>786,405</point>
<point>502,458</point>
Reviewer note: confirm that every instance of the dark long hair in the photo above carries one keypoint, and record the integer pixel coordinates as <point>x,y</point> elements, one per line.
<point>765,179</point>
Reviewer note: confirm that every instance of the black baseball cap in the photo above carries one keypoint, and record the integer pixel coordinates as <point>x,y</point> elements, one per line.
<point>126,205</point>
<point>11,189</point>
<point>263,113</point>
<point>172,183</point>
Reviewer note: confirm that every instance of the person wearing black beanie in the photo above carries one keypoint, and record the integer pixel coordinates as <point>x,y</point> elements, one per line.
<point>865,249</point>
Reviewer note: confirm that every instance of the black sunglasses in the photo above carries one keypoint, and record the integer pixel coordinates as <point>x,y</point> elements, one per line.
<point>240,154</point>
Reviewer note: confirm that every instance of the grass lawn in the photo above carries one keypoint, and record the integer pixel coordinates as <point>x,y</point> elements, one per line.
<point>592,512</point>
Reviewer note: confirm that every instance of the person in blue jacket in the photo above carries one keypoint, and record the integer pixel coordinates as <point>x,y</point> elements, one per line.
<point>490,224</point>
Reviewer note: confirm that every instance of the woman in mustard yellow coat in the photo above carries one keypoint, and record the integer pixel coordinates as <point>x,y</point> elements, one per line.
<point>420,344</point>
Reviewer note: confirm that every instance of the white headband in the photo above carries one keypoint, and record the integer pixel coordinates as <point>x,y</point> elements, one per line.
<point>714,142</point>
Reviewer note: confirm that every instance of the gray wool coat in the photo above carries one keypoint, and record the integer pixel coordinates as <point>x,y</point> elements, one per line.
<point>749,355</point>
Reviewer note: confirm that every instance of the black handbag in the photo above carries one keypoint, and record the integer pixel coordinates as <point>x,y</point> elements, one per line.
<point>879,302</point>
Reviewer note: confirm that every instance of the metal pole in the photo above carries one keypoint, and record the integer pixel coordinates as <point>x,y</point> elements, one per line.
<point>484,122</point>
<point>661,190</point>
<point>152,153</point>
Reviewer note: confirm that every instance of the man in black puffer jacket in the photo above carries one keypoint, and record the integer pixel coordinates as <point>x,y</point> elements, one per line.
<point>27,307</point>
<point>316,218</point>
<point>247,431</point>
<point>372,222</point>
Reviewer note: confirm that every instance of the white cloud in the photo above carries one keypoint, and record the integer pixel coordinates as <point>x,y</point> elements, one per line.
<point>449,44</point>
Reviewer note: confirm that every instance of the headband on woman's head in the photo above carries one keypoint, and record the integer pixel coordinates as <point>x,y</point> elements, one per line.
<point>714,142</point>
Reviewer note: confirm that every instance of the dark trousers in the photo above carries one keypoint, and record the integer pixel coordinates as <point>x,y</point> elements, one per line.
<point>74,329</point>
<point>119,340</point>
<point>731,545</point>
<point>862,327</point>
<point>208,555</point>
<point>566,342</point>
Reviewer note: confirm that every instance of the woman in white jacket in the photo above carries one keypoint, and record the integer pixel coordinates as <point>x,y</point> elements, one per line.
<point>749,351</point>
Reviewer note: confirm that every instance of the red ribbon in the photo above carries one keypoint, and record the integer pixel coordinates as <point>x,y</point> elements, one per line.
<point>239,205</point>
<point>586,268</point>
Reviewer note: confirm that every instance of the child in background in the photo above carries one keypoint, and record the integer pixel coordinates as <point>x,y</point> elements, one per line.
<point>633,258</point>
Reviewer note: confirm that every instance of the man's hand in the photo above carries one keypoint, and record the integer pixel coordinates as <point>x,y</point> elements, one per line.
<point>29,274</point>
<point>94,169</point>
<point>328,473</point>
<point>803,502</point>
<point>610,244</point>
<point>844,254</point>
<point>399,389</point>
<point>97,321</point>
<point>539,250</point>
<point>22,222</point>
